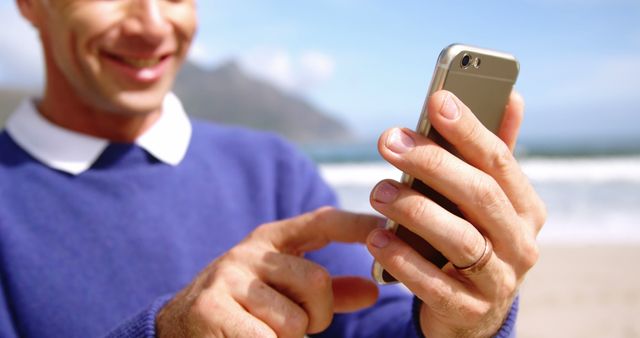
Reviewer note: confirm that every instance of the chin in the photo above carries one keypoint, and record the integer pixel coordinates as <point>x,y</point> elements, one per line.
<point>138,103</point>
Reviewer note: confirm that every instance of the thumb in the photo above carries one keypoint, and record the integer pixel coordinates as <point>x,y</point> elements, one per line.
<point>353,293</point>
<point>316,229</point>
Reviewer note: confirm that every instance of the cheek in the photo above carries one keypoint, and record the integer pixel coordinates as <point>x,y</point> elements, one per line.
<point>60,44</point>
<point>185,22</point>
<point>91,24</point>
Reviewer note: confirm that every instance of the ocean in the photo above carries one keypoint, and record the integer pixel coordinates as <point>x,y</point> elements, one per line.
<point>589,199</point>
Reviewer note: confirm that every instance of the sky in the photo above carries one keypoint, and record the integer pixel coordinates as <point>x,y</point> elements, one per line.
<point>369,63</point>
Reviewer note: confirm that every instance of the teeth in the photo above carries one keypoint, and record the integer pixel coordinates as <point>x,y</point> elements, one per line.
<point>141,63</point>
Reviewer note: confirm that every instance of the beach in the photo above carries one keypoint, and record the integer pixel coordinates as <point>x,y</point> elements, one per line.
<point>585,283</point>
<point>582,291</point>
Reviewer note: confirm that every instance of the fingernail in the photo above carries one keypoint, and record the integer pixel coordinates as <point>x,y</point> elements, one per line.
<point>399,142</point>
<point>385,192</point>
<point>450,109</point>
<point>380,239</point>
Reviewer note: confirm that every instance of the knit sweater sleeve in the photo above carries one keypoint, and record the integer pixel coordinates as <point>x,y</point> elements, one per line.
<point>143,324</point>
<point>508,329</point>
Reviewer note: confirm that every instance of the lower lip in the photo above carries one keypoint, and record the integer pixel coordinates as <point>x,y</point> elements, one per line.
<point>142,75</point>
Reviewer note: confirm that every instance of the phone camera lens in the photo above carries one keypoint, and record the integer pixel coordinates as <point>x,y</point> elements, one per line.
<point>466,60</point>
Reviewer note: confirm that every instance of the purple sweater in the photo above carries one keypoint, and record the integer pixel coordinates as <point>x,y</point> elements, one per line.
<point>100,253</point>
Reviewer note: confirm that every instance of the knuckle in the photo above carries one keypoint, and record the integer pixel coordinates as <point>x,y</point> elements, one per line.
<point>502,160</point>
<point>326,209</point>
<point>530,254</point>
<point>319,278</point>
<point>540,216</point>
<point>323,212</point>
<point>232,255</point>
<point>238,254</point>
<point>471,134</point>
<point>536,212</point>
<point>442,297</point>
<point>508,286</point>
<point>320,215</point>
<point>203,307</point>
<point>232,275</point>
<point>260,232</point>
<point>223,275</point>
<point>361,219</point>
<point>422,210</point>
<point>215,274</point>
<point>295,325</point>
<point>442,301</point>
<point>396,259</point>
<point>431,159</point>
<point>488,195</point>
<point>471,248</point>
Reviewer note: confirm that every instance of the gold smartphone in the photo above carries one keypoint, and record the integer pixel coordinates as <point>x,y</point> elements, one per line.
<point>483,80</point>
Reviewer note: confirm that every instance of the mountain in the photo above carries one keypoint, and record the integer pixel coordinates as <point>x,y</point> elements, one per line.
<point>228,95</point>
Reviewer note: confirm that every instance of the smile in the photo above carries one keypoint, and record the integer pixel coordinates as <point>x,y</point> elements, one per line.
<point>137,62</point>
<point>140,69</point>
<point>141,63</point>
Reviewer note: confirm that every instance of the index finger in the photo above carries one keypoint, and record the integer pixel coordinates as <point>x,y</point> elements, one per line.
<point>316,229</point>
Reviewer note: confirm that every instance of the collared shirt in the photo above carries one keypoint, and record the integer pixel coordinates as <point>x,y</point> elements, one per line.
<point>72,152</point>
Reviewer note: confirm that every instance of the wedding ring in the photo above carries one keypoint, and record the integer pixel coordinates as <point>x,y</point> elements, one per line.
<point>481,262</point>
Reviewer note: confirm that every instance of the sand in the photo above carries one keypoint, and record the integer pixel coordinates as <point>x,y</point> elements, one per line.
<point>582,291</point>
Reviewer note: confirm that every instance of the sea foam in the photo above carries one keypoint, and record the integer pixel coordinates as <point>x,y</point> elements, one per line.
<point>589,200</point>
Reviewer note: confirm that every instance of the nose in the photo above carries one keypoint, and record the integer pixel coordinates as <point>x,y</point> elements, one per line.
<point>147,20</point>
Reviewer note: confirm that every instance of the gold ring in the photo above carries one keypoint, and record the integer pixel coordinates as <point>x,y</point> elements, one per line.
<point>481,262</point>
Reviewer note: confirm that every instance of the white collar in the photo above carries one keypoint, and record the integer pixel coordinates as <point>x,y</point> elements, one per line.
<point>62,149</point>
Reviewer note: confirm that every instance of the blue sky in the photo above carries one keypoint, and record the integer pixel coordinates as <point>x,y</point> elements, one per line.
<point>369,62</point>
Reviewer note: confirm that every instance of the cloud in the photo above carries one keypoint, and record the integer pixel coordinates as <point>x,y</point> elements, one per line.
<point>274,65</point>
<point>298,73</point>
<point>21,62</point>
<point>201,54</point>
<point>316,69</point>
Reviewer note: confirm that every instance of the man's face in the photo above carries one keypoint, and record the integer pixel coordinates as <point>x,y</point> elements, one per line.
<point>118,55</point>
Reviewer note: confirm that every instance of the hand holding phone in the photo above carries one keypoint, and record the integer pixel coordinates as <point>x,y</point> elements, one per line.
<point>489,243</point>
<point>483,80</point>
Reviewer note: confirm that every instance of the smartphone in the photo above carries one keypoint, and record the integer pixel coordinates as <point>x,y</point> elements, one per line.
<point>483,80</point>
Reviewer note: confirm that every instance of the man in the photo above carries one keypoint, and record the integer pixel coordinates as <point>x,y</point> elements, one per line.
<point>121,217</point>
